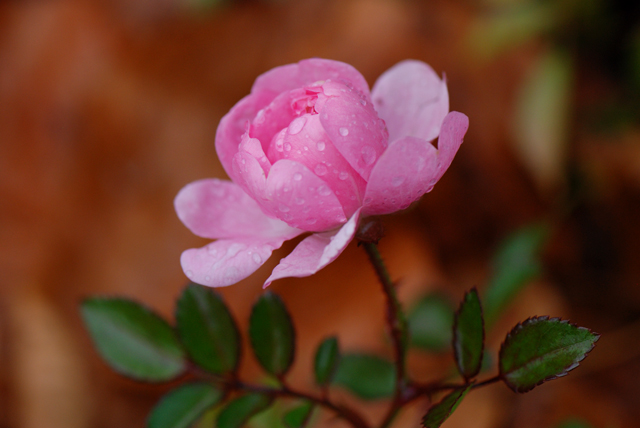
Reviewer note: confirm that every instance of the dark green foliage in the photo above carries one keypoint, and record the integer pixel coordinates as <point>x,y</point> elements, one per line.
<point>430,323</point>
<point>468,335</point>
<point>298,416</point>
<point>367,376</point>
<point>184,405</point>
<point>133,340</point>
<point>326,361</point>
<point>237,412</point>
<point>272,334</point>
<point>438,413</point>
<point>541,349</point>
<point>515,264</point>
<point>207,330</point>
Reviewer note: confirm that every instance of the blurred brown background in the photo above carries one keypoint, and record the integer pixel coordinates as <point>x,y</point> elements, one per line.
<point>109,107</point>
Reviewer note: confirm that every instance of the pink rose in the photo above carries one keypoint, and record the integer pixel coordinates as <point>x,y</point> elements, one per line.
<point>312,150</point>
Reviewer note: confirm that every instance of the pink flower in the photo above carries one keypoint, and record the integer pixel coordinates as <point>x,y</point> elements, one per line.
<point>312,150</point>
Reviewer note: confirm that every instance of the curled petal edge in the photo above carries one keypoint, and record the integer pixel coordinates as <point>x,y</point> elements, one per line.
<point>315,252</point>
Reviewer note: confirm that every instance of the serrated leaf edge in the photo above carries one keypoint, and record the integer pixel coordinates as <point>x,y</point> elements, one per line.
<point>564,372</point>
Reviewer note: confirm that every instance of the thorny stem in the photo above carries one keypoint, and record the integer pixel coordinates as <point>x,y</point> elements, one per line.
<point>397,324</point>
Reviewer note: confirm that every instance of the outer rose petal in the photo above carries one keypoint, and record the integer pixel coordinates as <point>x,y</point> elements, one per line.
<point>307,72</point>
<point>315,252</point>
<point>411,167</point>
<point>221,209</point>
<point>225,262</point>
<point>411,99</point>
<point>402,175</point>
<point>233,125</point>
<point>454,127</point>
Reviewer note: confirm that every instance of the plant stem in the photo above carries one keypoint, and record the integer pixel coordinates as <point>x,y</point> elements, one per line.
<point>397,324</point>
<point>343,412</point>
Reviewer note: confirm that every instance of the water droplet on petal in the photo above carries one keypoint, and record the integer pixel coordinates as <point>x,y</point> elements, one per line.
<point>344,132</point>
<point>324,190</point>
<point>256,258</point>
<point>368,155</point>
<point>231,274</point>
<point>311,220</point>
<point>296,125</point>
<point>299,201</point>
<point>363,102</point>
<point>343,175</point>
<point>397,181</point>
<point>189,273</point>
<point>284,208</point>
<point>367,201</point>
<point>297,176</point>
<point>287,147</point>
<point>320,169</point>
<point>320,145</point>
<point>207,278</point>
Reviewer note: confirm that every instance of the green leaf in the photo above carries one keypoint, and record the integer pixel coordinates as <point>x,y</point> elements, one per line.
<point>240,410</point>
<point>468,335</point>
<point>431,322</point>
<point>184,405</point>
<point>574,423</point>
<point>367,376</point>
<point>133,340</point>
<point>207,329</point>
<point>438,413</point>
<point>541,349</point>
<point>515,264</point>
<point>326,361</point>
<point>298,416</point>
<point>272,334</point>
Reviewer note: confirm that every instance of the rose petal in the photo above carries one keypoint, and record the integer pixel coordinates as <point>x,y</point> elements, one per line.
<point>402,175</point>
<point>315,252</point>
<point>307,72</point>
<point>233,125</point>
<point>220,209</point>
<point>454,127</point>
<point>309,144</point>
<point>225,262</point>
<point>353,126</point>
<point>410,167</point>
<point>411,99</point>
<point>301,199</point>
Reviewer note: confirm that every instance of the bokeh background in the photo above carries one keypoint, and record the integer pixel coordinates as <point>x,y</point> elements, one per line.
<point>109,107</point>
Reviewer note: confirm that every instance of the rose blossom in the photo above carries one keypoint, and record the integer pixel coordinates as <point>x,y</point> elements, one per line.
<point>311,149</point>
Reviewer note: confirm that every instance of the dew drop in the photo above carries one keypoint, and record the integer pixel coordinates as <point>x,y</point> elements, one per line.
<point>344,132</point>
<point>324,190</point>
<point>343,175</point>
<point>287,147</point>
<point>320,145</point>
<point>231,274</point>
<point>367,201</point>
<point>299,201</point>
<point>311,220</point>
<point>368,155</point>
<point>256,258</point>
<point>189,273</point>
<point>207,278</point>
<point>296,125</point>
<point>320,169</point>
<point>363,102</point>
<point>397,181</point>
<point>297,176</point>
<point>283,208</point>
